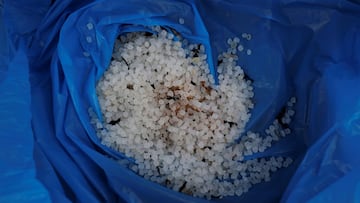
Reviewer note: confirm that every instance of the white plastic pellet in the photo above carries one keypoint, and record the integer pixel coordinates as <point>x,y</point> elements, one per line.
<point>248,36</point>
<point>89,26</point>
<point>240,47</point>
<point>248,52</point>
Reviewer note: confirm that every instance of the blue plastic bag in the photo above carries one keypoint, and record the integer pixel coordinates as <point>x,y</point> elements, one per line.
<point>17,166</point>
<point>299,48</point>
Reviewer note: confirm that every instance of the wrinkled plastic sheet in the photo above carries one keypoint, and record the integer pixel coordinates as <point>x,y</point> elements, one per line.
<point>302,48</point>
<point>17,166</point>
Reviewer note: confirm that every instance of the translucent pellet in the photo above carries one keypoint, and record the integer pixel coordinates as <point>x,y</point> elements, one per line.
<point>248,36</point>
<point>88,39</point>
<point>248,52</point>
<point>89,26</point>
<point>240,47</point>
<point>236,40</point>
<point>293,100</point>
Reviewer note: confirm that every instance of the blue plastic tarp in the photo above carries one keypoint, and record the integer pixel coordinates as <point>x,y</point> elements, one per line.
<point>49,69</point>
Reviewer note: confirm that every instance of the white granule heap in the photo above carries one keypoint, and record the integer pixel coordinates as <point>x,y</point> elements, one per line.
<point>161,107</point>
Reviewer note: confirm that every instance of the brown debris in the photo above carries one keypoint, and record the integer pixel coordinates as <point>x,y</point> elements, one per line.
<point>207,88</point>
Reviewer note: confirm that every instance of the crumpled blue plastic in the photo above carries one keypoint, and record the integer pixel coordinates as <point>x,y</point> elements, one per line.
<point>17,166</point>
<point>301,48</point>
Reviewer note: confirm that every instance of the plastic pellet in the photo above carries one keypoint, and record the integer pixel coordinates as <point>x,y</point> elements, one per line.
<point>248,52</point>
<point>89,26</point>
<point>88,39</point>
<point>240,47</point>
